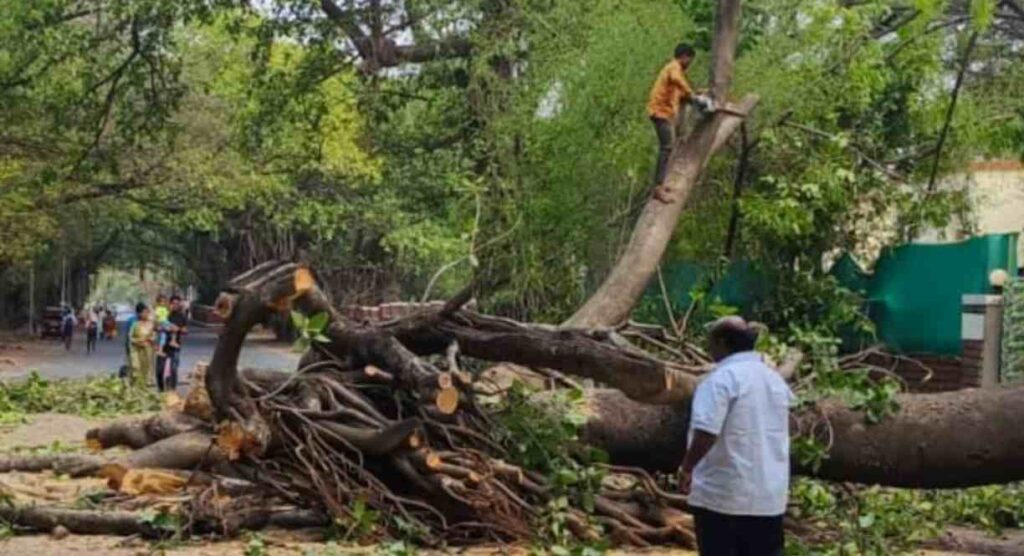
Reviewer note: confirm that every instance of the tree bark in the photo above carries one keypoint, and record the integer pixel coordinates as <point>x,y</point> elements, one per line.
<point>97,522</point>
<point>593,354</point>
<point>954,439</point>
<point>75,465</point>
<point>250,299</point>
<point>948,440</point>
<point>379,51</point>
<point>80,522</point>
<point>136,433</point>
<point>614,300</point>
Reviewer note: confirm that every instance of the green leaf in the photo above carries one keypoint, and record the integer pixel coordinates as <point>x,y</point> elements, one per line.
<point>317,322</point>
<point>301,344</point>
<point>298,320</point>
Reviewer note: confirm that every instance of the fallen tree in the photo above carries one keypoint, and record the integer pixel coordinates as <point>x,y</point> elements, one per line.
<point>387,416</point>
<point>383,416</point>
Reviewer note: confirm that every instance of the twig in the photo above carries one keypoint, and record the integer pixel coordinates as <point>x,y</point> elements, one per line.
<point>964,63</point>
<point>665,300</point>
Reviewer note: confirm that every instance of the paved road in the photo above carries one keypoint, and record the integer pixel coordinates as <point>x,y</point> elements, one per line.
<point>51,359</point>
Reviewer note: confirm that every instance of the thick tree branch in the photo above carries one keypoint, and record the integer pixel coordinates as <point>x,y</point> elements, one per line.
<point>380,51</point>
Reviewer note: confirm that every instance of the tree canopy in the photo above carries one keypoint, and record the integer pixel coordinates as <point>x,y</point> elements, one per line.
<point>409,146</point>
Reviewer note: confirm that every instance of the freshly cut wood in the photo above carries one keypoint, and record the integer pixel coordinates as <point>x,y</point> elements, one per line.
<point>136,482</point>
<point>447,400</point>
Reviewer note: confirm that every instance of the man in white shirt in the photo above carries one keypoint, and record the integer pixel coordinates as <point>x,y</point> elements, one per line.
<point>736,468</point>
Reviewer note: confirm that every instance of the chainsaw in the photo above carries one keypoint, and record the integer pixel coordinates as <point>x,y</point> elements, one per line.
<point>707,105</point>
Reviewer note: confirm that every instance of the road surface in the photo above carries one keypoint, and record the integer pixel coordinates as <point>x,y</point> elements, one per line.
<point>51,360</point>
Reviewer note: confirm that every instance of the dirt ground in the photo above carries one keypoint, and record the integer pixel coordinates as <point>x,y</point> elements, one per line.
<point>45,429</point>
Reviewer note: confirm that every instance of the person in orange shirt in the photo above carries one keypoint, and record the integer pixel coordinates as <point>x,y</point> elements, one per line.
<point>669,90</point>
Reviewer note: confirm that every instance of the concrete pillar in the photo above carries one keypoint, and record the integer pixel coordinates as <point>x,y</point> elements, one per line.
<point>981,332</point>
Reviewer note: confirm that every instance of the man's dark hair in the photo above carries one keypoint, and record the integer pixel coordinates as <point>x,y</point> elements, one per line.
<point>175,297</point>
<point>685,49</point>
<point>736,336</point>
<point>140,307</point>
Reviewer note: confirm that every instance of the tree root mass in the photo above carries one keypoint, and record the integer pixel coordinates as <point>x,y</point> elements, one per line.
<point>369,421</point>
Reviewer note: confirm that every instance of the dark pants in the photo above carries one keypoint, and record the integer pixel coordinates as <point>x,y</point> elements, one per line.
<point>68,336</point>
<point>738,535</point>
<point>90,341</point>
<point>171,382</point>
<point>666,135</point>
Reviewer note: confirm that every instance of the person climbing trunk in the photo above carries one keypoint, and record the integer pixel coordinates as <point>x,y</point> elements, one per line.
<point>669,90</point>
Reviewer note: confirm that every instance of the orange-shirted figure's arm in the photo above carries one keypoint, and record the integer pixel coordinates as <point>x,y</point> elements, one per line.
<point>679,80</point>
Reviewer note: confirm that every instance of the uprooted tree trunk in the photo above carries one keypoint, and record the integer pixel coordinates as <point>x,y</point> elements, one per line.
<point>954,439</point>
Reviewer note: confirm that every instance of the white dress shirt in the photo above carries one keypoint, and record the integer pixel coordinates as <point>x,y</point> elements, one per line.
<point>745,404</point>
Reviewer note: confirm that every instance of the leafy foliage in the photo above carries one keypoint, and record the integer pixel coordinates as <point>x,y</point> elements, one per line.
<point>545,436</point>
<point>882,521</point>
<point>93,397</point>
<point>310,329</point>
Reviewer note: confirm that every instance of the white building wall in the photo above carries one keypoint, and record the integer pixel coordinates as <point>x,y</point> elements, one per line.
<point>996,189</point>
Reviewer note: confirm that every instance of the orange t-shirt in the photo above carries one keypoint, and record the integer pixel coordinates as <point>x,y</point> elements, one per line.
<point>669,89</point>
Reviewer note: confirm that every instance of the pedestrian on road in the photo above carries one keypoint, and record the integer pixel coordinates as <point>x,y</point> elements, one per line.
<point>92,331</point>
<point>67,327</point>
<point>141,336</point>
<point>132,319</point>
<point>177,327</point>
<point>109,325</point>
<point>736,469</point>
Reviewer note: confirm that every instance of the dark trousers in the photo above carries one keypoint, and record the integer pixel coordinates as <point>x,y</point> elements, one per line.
<point>90,341</point>
<point>738,535</point>
<point>171,382</point>
<point>666,135</point>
